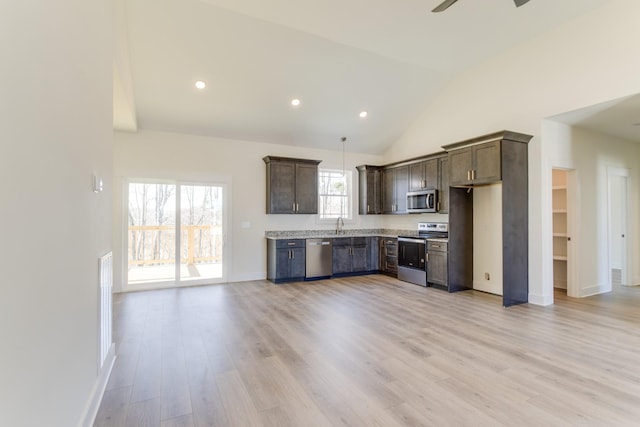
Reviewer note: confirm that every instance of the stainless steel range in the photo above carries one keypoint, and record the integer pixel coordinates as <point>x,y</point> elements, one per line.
<point>412,260</point>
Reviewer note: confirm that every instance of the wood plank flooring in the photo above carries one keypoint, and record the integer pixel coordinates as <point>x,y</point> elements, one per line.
<point>370,351</point>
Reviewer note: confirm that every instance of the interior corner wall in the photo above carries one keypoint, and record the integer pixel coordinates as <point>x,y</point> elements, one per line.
<point>174,156</point>
<point>583,62</point>
<point>56,121</point>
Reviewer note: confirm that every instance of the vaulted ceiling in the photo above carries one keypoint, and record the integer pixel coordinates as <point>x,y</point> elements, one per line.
<point>389,58</point>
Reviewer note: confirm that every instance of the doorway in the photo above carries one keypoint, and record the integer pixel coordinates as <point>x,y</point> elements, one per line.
<point>175,234</point>
<point>562,204</point>
<point>617,226</point>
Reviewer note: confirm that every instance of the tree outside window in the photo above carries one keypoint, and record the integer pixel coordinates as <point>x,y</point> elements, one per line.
<point>334,189</point>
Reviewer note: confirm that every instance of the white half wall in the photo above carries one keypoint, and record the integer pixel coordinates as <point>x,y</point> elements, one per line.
<point>161,155</point>
<point>56,122</point>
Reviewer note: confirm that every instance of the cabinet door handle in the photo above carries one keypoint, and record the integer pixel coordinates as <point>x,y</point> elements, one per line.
<point>291,243</point>
<point>427,256</point>
<point>473,175</point>
<point>297,207</point>
<point>367,208</point>
<point>468,175</point>
<point>438,205</point>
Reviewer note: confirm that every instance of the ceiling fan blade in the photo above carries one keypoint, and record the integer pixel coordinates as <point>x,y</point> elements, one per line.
<point>520,2</point>
<point>444,5</point>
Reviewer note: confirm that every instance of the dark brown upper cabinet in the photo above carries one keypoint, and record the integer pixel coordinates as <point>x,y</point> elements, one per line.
<point>395,185</point>
<point>369,190</point>
<point>292,185</point>
<point>423,175</point>
<point>476,165</point>
<point>443,184</point>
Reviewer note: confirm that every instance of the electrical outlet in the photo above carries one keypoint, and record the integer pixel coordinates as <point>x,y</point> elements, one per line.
<point>487,276</point>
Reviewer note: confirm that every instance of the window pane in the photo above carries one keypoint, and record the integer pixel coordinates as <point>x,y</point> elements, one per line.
<point>201,232</point>
<point>334,194</point>
<point>151,228</point>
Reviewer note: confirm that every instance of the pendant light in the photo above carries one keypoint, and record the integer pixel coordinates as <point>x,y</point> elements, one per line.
<point>344,140</point>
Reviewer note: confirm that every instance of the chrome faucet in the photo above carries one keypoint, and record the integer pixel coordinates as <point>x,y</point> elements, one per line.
<point>339,225</point>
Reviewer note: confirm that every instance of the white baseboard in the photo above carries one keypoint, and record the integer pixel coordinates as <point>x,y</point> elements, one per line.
<point>91,411</point>
<point>543,300</point>
<point>247,277</point>
<point>487,286</point>
<point>593,290</point>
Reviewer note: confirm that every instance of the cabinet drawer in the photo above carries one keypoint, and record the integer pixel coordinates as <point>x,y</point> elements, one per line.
<point>291,243</point>
<point>359,241</point>
<point>391,250</point>
<point>436,246</point>
<point>342,241</point>
<point>390,264</point>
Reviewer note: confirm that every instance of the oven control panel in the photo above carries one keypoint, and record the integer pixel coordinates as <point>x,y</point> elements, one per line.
<point>430,227</point>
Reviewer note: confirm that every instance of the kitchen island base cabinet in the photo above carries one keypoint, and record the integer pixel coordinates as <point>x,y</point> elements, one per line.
<point>286,260</point>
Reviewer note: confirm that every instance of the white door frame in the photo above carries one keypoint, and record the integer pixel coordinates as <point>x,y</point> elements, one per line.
<point>226,260</point>
<point>573,239</point>
<point>572,225</point>
<point>623,173</point>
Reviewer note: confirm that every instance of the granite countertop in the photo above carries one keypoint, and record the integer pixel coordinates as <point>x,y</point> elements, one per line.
<point>318,234</point>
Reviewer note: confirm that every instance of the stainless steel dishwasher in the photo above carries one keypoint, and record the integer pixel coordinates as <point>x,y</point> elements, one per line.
<point>319,259</point>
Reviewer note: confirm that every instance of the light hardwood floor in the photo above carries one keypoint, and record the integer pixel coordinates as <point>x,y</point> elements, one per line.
<point>370,351</point>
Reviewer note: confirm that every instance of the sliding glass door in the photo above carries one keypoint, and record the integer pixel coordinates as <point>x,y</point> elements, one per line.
<point>175,234</point>
<point>201,234</point>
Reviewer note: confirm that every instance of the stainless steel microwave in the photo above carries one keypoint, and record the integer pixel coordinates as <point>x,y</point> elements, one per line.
<point>422,201</point>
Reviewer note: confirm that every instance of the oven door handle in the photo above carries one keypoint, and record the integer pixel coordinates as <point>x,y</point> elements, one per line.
<point>411,240</point>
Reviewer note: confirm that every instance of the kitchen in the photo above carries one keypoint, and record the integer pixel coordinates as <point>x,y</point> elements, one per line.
<point>500,157</point>
<point>59,128</point>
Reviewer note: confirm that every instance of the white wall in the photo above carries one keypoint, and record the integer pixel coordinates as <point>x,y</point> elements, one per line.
<point>161,155</point>
<point>55,116</point>
<point>584,62</point>
<point>590,154</point>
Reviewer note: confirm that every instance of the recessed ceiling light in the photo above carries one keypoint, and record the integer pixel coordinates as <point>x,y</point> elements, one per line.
<point>363,114</point>
<point>200,84</point>
<point>295,102</point>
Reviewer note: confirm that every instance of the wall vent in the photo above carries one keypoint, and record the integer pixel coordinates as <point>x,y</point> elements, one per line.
<point>106,288</point>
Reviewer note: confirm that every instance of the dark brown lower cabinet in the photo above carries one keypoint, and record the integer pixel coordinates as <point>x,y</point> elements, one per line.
<point>389,256</point>
<point>286,260</point>
<point>350,255</point>
<point>437,264</point>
